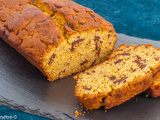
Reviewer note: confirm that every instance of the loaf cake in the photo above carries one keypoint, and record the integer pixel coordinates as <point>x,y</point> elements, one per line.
<point>119,78</point>
<point>59,37</point>
<point>154,89</point>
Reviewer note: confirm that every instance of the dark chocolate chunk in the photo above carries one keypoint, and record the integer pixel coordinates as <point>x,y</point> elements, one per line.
<point>93,71</point>
<point>52,58</point>
<point>112,78</point>
<point>156,71</point>
<point>133,69</point>
<point>156,59</point>
<point>75,42</point>
<point>109,35</point>
<point>52,16</point>
<point>120,80</point>
<point>96,38</point>
<point>82,63</point>
<point>96,46</point>
<point>82,23</point>
<point>97,30</point>
<point>93,63</point>
<point>120,50</point>
<point>88,73</point>
<point>138,57</point>
<point>125,54</point>
<point>67,64</point>
<point>143,66</point>
<point>20,4</point>
<point>144,60</point>
<point>78,36</point>
<point>118,61</point>
<point>63,70</point>
<point>101,41</point>
<point>146,47</point>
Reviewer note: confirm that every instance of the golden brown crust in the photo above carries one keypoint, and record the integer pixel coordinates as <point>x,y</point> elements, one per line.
<point>26,28</point>
<point>34,34</point>
<point>77,17</point>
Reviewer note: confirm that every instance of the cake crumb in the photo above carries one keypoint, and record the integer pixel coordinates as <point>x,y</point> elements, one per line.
<point>105,110</point>
<point>77,114</point>
<point>147,95</point>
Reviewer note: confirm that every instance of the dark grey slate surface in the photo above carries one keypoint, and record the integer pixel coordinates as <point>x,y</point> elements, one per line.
<point>23,87</point>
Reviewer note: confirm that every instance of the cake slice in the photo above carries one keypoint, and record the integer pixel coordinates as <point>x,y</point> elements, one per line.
<point>59,37</point>
<point>119,78</point>
<point>154,89</point>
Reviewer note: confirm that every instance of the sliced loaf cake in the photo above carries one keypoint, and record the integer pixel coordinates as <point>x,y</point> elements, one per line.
<point>59,37</point>
<point>119,78</point>
<point>154,89</point>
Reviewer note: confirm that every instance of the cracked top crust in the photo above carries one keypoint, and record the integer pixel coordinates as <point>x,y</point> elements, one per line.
<point>32,32</point>
<point>27,28</point>
<point>77,16</point>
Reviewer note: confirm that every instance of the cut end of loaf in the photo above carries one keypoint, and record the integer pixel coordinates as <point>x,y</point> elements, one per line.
<point>87,39</point>
<point>81,51</point>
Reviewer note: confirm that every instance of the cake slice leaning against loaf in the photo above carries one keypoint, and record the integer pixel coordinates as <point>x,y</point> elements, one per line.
<point>59,37</point>
<point>119,78</point>
<point>154,89</point>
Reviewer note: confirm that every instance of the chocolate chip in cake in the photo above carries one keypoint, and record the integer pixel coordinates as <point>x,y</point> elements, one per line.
<point>156,59</point>
<point>125,54</point>
<point>118,61</point>
<point>138,57</point>
<point>67,64</point>
<point>97,30</point>
<point>78,36</point>
<point>101,41</point>
<point>82,63</point>
<point>133,70</point>
<point>75,42</point>
<point>52,58</point>
<point>109,35</point>
<point>112,78</point>
<point>120,50</point>
<point>156,71</point>
<point>120,80</point>
<point>96,38</point>
<point>146,47</point>
<point>143,66</point>
<point>93,63</point>
<point>88,73</point>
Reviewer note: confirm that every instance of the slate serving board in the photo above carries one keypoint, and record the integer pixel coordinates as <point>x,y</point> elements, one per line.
<point>23,87</point>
